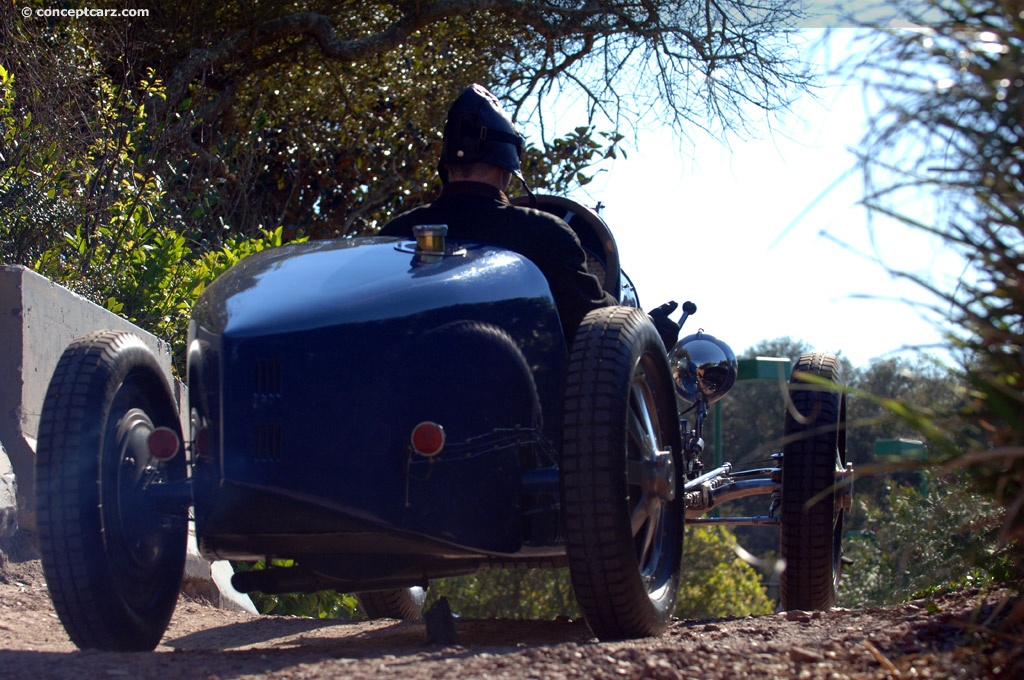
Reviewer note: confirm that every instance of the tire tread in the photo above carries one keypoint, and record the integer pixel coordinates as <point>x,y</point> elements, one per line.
<point>809,467</point>
<point>602,563</point>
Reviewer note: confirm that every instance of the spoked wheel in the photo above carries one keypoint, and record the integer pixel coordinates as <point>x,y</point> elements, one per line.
<point>401,603</point>
<point>112,554</point>
<point>620,457</point>
<point>815,491</point>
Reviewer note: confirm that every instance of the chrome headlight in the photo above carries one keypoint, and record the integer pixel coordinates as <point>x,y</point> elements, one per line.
<point>702,365</point>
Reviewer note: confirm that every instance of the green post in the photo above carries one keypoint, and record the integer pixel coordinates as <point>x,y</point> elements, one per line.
<point>904,449</point>
<point>759,368</point>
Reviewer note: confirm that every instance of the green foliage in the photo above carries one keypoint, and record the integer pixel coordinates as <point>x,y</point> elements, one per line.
<point>951,129</point>
<point>321,605</point>
<point>121,252</point>
<point>927,533</point>
<point>36,190</point>
<point>335,149</point>
<point>563,165</point>
<point>106,227</point>
<point>716,582</point>
<point>116,250</point>
<point>899,398</point>
<point>324,118</point>
<point>508,594</point>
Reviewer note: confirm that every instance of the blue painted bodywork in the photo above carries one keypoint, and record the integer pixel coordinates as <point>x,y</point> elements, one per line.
<point>309,366</point>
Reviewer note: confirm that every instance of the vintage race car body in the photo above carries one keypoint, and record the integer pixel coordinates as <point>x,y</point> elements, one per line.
<point>309,369</point>
<point>367,415</point>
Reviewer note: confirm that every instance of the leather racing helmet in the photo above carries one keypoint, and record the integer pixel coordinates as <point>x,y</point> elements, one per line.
<point>479,131</point>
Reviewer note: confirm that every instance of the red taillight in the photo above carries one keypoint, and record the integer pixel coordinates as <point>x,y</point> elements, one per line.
<point>427,438</point>
<point>163,443</point>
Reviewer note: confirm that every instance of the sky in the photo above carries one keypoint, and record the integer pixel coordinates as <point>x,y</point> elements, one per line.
<point>767,237</point>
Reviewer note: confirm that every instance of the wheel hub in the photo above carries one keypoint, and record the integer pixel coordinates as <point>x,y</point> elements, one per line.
<point>660,476</point>
<point>142,540</point>
<point>844,482</point>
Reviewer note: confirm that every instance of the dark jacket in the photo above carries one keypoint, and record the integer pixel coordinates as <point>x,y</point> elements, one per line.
<point>476,211</point>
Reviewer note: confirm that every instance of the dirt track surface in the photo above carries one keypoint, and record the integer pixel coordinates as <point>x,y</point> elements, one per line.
<point>955,636</point>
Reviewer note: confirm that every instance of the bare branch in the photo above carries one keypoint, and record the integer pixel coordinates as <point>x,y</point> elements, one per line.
<point>599,42</point>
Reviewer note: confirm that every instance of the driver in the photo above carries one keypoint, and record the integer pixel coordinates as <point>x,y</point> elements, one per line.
<point>480,153</point>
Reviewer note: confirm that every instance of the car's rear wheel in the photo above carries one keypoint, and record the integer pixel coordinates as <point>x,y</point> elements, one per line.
<point>620,457</point>
<point>400,603</point>
<point>113,560</point>
<point>814,458</point>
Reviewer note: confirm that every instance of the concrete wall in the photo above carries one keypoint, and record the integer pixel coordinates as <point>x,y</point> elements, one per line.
<point>38,319</point>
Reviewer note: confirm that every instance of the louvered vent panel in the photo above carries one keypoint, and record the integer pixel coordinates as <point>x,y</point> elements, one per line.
<point>268,435</point>
<point>268,377</point>
<point>268,439</point>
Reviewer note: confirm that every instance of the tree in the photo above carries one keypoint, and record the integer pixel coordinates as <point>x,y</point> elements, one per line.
<point>692,63</point>
<point>317,116</point>
<point>950,128</point>
<point>94,195</point>
<point>885,392</point>
<point>753,413</point>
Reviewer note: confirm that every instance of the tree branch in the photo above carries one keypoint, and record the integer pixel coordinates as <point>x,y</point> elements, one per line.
<point>688,38</point>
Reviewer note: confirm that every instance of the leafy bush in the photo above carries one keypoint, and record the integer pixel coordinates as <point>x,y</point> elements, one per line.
<point>717,583</point>
<point>98,223</point>
<point>935,532</point>
<point>508,594</point>
<point>321,605</point>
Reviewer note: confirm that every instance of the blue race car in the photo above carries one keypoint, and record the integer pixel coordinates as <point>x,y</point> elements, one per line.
<point>384,412</point>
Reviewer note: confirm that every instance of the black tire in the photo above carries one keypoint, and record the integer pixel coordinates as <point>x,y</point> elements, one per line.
<point>113,562</point>
<point>401,603</point>
<point>814,451</point>
<point>623,515</point>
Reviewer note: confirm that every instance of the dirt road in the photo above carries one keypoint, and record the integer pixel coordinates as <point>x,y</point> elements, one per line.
<point>954,636</point>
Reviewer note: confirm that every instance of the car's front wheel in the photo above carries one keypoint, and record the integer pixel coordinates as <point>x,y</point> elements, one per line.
<point>620,462</point>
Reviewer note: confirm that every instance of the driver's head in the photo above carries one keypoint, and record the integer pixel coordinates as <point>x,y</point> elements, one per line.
<point>479,131</point>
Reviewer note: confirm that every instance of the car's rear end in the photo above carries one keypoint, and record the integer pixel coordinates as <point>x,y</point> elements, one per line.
<point>310,368</point>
